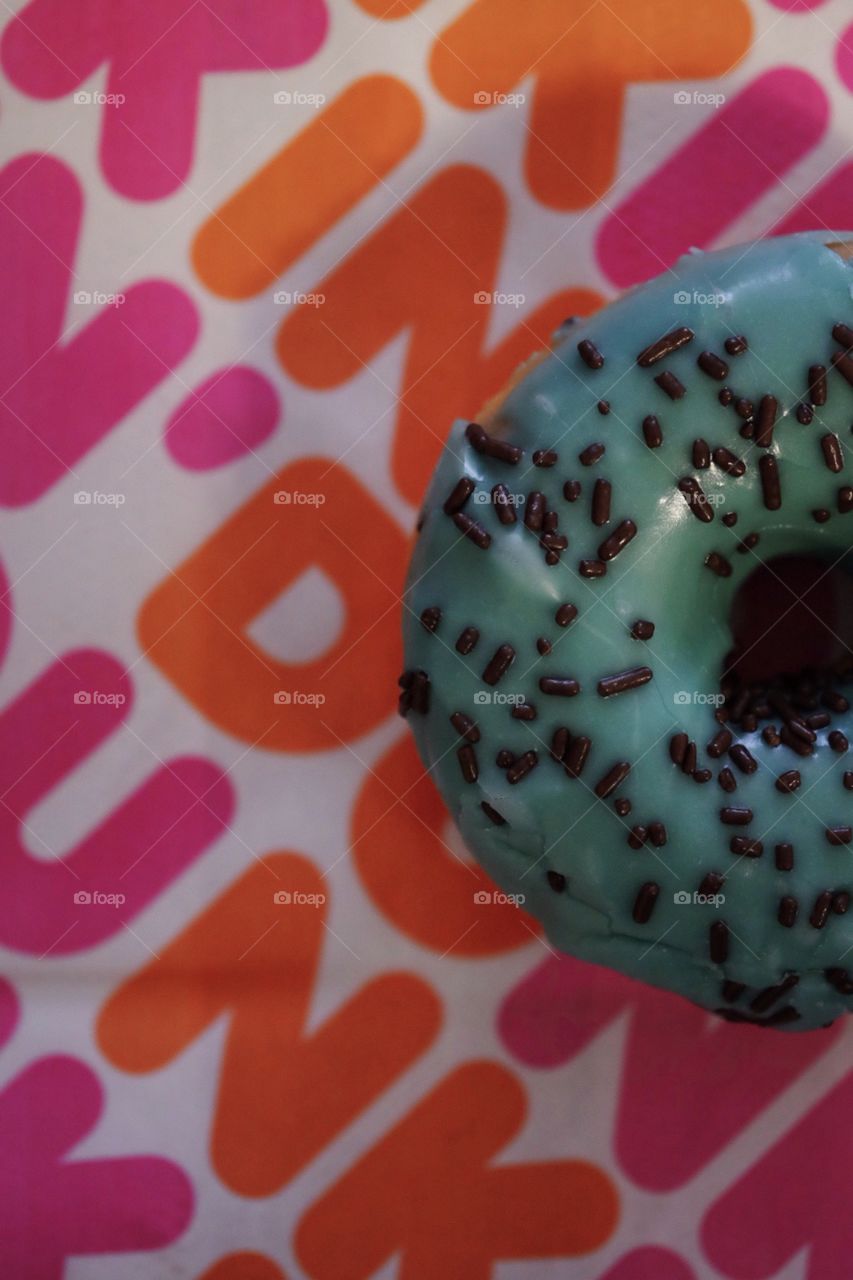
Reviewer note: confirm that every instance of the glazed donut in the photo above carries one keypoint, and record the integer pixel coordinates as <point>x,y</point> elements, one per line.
<point>567,621</point>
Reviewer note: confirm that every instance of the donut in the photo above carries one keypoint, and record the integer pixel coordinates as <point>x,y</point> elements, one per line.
<point>567,621</point>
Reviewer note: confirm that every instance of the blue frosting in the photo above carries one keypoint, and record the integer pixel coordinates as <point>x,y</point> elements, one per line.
<point>785,295</point>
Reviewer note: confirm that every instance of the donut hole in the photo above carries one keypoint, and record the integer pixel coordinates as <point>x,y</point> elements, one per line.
<point>792,625</point>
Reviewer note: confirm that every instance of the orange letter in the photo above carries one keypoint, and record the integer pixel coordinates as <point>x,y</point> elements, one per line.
<point>430,270</point>
<point>282,1095</point>
<point>306,187</point>
<point>429,1191</point>
<point>314,513</point>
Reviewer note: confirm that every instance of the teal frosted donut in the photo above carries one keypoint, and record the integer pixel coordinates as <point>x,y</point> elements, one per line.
<point>567,624</point>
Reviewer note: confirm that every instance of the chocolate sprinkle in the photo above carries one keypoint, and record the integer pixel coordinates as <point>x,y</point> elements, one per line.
<point>718,939</point>
<point>633,678</point>
<point>592,568</point>
<point>644,903</point>
<point>572,490</point>
<point>431,617</point>
<point>840,902</point>
<point>844,500</point>
<point>670,385</point>
<point>601,502</point>
<point>788,782</point>
<point>719,744</point>
<point>657,834</point>
<point>664,346</point>
<point>839,835</point>
<point>726,780</point>
<point>523,711</point>
<point>576,756</point>
<point>458,496</point>
<point>770,486</point>
<point>843,335</point>
<point>678,747</point>
<point>844,364</point>
<point>523,765</point>
<point>713,365</point>
<point>467,639</point>
<point>504,506</point>
<point>590,354</point>
<point>701,454</point>
<point>718,564</point>
<point>543,645</point>
<point>467,758</point>
<point>746,847</point>
<point>788,908</point>
<point>534,510</point>
<point>736,345</point>
<point>804,414</point>
<point>498,819</point>
<point>565,614</point>
<point>642,629</point>
<point>490,446</point>
<point>821,909</point>
<point>545,458</point>
<point>766,421</point>
<point>637,837</point>
<point>696,500</point>
<point>820,515</point>
<point>742,758</point>
<point>832,454</point>
<point>725,396</point>
<point>729,462</point>
<point>560,686</point>
<point>591,454</point>
<point>498,664</point>
<point>784,857</point>
<point>472,530</point>
<point>736,817</point>
<point>556,881</point>
<point>711,884</point>
<point>465,726</point>
<point>817,384</point>
<point>841,980</point>
<point>622,806</point>
<point>732,991</point>
<point>652,433</point>
<point>770,995</point>
<point>618,540</point>
<point>559,744</point>
<point>612,779</point>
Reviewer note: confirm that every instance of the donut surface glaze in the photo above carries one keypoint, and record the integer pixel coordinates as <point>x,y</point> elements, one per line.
<point>567,623</point>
